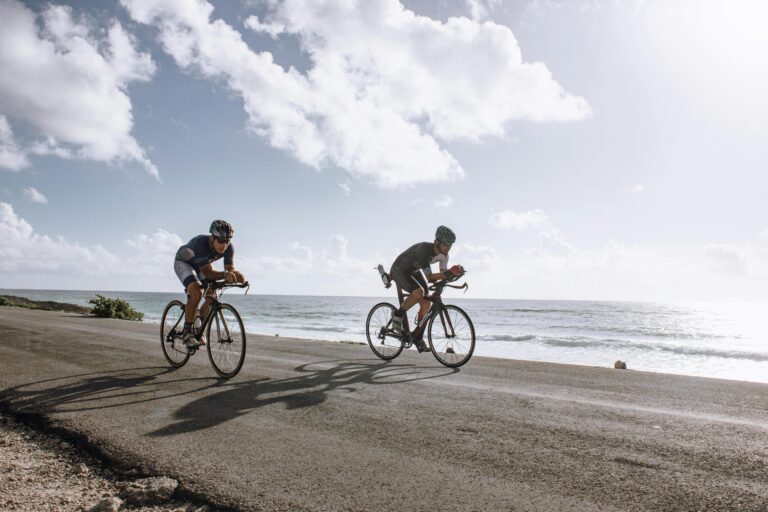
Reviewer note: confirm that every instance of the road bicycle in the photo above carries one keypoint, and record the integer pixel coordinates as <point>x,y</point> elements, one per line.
<point>451,339</point>
<point>222,326</point>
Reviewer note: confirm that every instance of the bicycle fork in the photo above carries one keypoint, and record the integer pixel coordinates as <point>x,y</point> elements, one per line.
<point>449,332</point>
<point>220,322</point>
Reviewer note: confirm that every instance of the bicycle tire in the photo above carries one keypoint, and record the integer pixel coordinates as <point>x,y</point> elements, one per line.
<point>174,350</point>
<point>385,347</point>
<point>452,351</point>
<point>226,346</point>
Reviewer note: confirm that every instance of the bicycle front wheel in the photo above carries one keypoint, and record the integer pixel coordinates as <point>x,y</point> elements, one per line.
<point>171,326</point>
<point>226,341</point>
<point>451,336</point>
<point>378,330</point>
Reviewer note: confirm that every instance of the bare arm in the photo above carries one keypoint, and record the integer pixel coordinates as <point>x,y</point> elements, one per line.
<point>435,277</point>
<point>239,277</point>
<point>211,274</point>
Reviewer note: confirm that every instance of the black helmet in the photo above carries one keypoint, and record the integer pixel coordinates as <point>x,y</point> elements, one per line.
<point>222,229</point>
<point>445,235</point>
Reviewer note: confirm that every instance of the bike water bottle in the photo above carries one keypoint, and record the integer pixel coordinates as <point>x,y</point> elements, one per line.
<point>198,325</point>
<point>383,274</point>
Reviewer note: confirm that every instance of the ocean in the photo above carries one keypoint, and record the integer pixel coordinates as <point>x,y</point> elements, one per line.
<point>725,340</point>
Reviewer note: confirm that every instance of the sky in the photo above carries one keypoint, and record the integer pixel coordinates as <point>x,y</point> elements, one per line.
<point>604,150</point>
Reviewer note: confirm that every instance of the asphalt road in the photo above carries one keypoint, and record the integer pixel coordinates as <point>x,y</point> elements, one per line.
<point>326,426</point>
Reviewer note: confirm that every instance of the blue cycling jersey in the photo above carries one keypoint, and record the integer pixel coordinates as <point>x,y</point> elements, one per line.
<point>199,252</point>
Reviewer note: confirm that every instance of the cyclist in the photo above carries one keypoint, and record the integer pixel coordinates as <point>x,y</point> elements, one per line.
<point>194,259</point>
<point>412,271</point>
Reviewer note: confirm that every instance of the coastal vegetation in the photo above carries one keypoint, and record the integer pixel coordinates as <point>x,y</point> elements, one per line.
<point>106,307</point>
<point>46,305</point>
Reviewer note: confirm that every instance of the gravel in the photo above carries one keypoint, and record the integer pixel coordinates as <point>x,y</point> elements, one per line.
<point>41,472</point>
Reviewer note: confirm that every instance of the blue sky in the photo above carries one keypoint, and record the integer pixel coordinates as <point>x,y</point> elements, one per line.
<point>580,150</point>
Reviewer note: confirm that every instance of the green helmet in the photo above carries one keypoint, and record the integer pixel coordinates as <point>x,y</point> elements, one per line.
<point>445,235</point>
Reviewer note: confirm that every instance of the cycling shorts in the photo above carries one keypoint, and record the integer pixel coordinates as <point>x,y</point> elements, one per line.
<point>410,282</point>
<point>185,272</point>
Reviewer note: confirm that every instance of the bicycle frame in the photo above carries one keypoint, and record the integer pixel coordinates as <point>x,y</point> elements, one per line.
<point>213,291</point>
<point>436,308</point>
<point>213,309</point>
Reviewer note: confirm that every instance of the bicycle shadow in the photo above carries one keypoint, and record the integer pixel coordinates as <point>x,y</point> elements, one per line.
<point>311,389</point>
<point>89,391</point>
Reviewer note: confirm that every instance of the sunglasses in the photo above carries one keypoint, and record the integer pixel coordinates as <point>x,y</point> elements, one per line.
<point>222,240</point>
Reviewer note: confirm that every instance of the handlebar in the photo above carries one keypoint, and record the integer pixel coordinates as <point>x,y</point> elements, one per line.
<point>219,285</point>
<point>439,285</point>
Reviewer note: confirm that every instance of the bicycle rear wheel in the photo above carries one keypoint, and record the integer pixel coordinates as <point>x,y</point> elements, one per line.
<point>378,327</point>
<point>451,336</point>
<point>226,342</point>
<point>171,326</point>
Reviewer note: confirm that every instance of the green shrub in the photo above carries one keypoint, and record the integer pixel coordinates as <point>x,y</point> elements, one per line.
<point>114,308</point>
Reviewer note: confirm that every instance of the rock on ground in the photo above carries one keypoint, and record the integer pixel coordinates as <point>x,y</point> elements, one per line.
<point>40,472</point>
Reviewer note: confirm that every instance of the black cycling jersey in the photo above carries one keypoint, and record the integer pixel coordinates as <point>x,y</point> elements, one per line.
<point>418,257</point>
<point>410,268</point>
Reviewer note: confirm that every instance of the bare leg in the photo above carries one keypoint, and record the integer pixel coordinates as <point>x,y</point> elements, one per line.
<point>424,307</point>
<point>205,308</point>
<point>416,296</point>
<point>195,293</point>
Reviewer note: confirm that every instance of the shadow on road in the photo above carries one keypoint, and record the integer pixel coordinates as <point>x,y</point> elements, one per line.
<point>97,390</point>
<point>215,401</point>
<point>309,389</point>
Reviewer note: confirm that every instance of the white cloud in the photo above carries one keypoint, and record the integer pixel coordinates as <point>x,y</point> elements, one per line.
<point>11,156</point>
<point>728,259</point>
<point>553,243</point>
<point>272,29</point>
<point>443,201</point>
<point>762,241</point>
<point>554,270</point>
<point>34,195</point>
<point>479,9</point>
<point>50,146</point>
<point>737,261</point>
<point>33,260</point>
<point>618,271</point>
<point>509,219</point>
<point>330,270</point>
<point>68,80</point>
<point>160,243</point>
<point>613,271</point>
<point>638,188</point>
<point>472,256</point>
<point>381,91</point>
<point>153,254</point>
<point>347,188</point>
<point>302,252</point>
<point>23,252</point>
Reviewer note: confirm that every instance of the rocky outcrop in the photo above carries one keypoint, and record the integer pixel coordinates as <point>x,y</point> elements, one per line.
<point>46,305</point>
<point>149,491</point>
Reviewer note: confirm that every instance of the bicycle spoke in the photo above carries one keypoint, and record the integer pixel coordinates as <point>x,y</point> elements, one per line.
<point>226,342</point>
<point>452,337</point>
<point>377,327</point>
<point>173,347</point>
